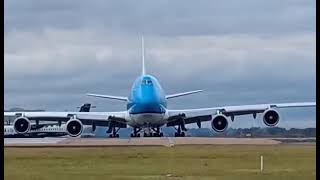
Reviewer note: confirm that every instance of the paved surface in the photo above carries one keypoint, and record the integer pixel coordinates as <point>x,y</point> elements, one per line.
<point>156,141</point>
<point>31,141</point>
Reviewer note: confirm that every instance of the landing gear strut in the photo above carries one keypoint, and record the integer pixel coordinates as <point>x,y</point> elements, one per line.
<point>114,132</point>
<point>136,132</point>
<point>180,131</point>
<point>152,132</point>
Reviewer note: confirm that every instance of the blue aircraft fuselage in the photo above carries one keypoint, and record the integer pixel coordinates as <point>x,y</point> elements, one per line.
<point>146,96</point>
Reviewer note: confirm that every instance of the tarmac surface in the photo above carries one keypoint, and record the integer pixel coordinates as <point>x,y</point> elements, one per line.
<point>150,141</point>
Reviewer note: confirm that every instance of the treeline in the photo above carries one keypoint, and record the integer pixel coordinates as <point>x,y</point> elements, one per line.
<point>257,132</point>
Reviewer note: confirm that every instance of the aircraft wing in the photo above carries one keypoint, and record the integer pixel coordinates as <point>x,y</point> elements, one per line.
<point>182,94</point>
<point>120,98</point>
<point>87,118</point>
<point>205,114</point>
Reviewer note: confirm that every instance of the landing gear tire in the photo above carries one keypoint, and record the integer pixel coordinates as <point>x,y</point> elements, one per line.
<point>180,131</point>
<point>161,134</point>
<point>113,132</point>
<point>114,135</point>
<point>183,134</point>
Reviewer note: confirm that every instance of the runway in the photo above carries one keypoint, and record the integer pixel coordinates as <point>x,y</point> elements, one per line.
<point>156,141</point>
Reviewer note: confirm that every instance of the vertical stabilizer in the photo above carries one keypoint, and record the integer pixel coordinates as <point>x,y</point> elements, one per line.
<point>143,65</point>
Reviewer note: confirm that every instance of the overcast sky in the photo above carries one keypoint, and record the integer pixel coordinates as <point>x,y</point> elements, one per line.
<point>239,52</point>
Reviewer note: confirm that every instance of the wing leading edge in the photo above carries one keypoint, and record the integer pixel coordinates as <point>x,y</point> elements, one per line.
<point>120,98</point>
<point>87,118</point>
<point>237,110</point>
<point>182,94</point>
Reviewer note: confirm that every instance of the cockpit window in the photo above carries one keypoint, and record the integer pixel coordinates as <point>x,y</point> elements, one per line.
<point>146,82</point>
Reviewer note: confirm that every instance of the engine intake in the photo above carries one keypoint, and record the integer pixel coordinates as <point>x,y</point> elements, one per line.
<point>74,127</point>
<point>271,117</point>
<point>21,125</point>
<point>219,123</point>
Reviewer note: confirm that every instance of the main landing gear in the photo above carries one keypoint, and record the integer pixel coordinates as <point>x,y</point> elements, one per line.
<point>113,132</point>
<point>136,132</point>
<point>156,133</point>
<point>180,131</point>
<point>148,132</point>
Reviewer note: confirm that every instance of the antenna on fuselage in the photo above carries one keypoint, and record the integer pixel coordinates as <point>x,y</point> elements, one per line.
<point>143,66</point>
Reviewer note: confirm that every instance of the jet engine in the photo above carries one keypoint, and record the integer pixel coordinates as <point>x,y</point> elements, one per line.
<point>271,117</point>
<point>21,125</point>
<point>219,123</point>
<point>74,127</point>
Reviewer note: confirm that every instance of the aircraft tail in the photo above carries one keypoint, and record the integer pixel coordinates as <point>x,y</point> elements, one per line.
<point>121,98</point>
<point>143,65</point>
<point>86,107</point>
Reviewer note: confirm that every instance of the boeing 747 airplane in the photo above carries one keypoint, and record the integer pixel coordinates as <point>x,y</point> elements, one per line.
<point>146,112</point>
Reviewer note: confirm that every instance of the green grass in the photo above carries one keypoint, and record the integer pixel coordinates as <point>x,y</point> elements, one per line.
<point>227,162</point>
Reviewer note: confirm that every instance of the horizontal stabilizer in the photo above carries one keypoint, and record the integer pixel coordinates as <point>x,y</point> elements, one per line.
<point>182,94</point>
<point>120,98</point>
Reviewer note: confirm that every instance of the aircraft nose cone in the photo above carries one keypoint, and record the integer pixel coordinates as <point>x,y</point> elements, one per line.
<point>147,100</point>
<point>149,97</point>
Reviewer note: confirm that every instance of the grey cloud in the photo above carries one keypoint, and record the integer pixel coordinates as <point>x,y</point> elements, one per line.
<point>241,53</point>
<point>230,64</point>
<point>165,17</point>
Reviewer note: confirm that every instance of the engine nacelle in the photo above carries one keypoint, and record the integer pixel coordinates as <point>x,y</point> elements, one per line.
<point>21,125</point>
<point>271,117</point>
<point>219,123</point>
<point>74,127</point>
